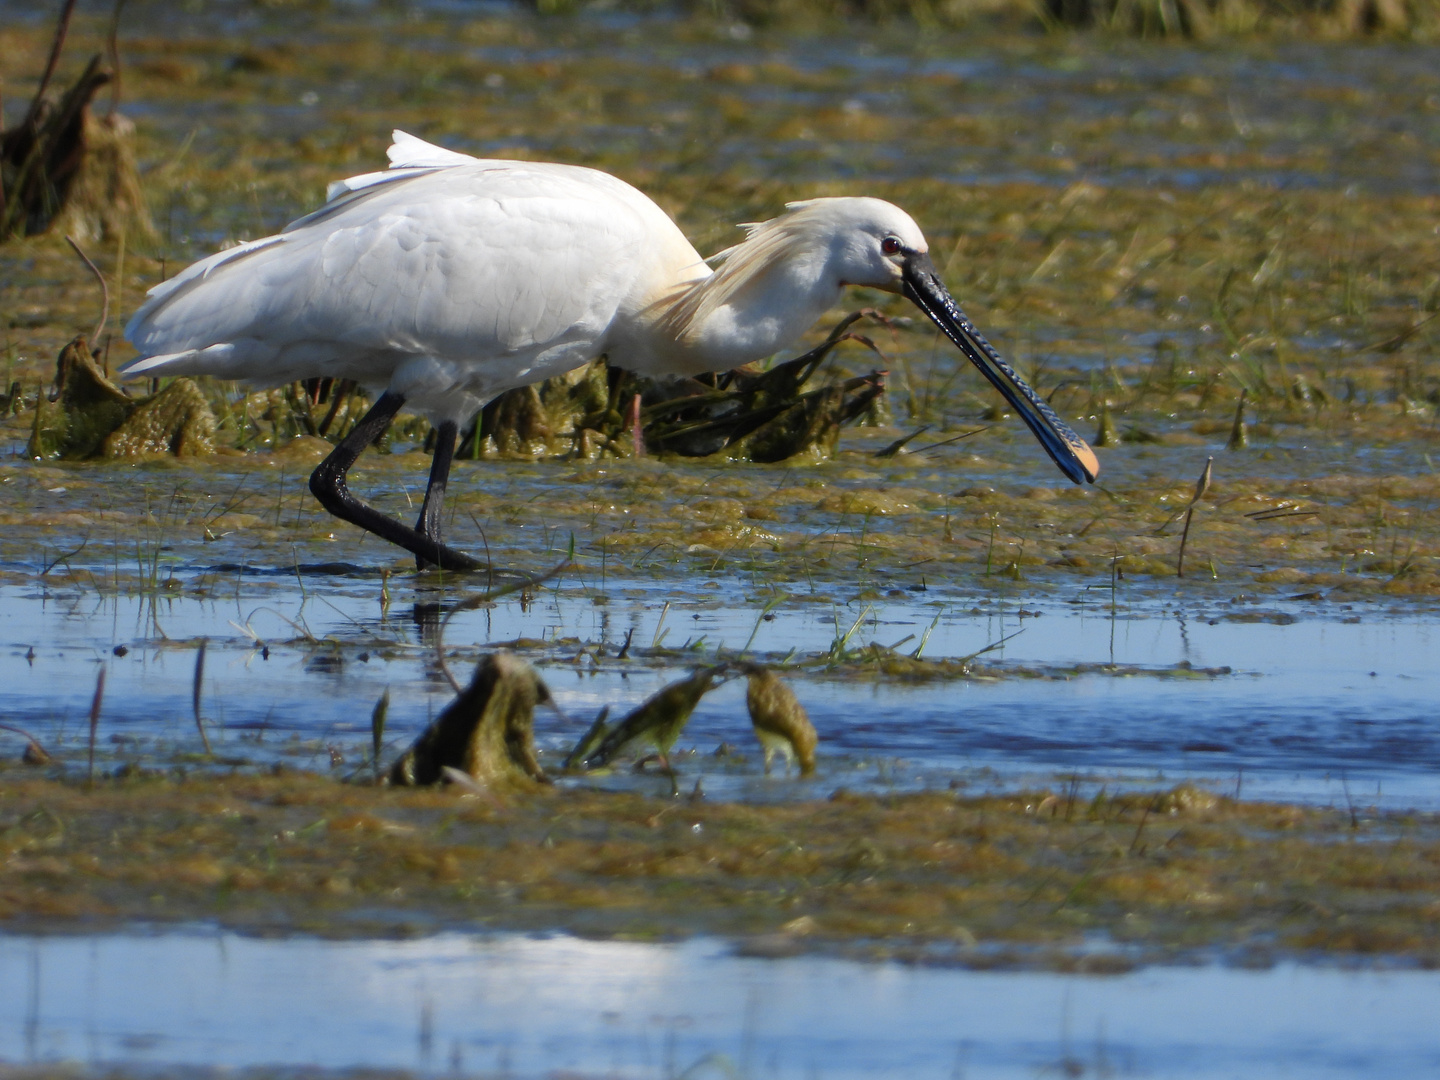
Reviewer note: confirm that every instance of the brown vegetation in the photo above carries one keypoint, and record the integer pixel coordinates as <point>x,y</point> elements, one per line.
<point>61,163</point>
<point>1168,871</point>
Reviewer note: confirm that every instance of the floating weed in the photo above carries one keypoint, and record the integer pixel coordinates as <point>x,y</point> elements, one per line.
<point>589,742</point>
<point>766,612</point>
<point>1202,486</point>
<point>660,630</point>
<point>34,753</point>
<point>925,637</point>
<point>1239,436</point>
<point>485,734</point>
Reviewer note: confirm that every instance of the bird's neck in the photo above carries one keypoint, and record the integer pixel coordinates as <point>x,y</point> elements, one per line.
<point>756,304</point>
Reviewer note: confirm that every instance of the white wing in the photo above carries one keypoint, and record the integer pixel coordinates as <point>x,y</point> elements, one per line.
<point>505,267</point>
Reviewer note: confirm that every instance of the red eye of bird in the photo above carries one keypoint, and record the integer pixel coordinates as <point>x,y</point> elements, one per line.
<point>890,245</point>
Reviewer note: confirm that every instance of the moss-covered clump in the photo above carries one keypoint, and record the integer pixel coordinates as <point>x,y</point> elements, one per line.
<point>92,417</point>
<point>486,733</point>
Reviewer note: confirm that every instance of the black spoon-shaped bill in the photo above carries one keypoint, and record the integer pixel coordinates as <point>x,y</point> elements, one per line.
<point>925,289</point>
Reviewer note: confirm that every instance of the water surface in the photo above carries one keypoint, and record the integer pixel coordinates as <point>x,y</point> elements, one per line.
<point>532,1007</point>
<point>1313,708</point>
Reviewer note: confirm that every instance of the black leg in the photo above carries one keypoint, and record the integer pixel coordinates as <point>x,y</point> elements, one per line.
<point>429,523</point>
<point>327,483</point>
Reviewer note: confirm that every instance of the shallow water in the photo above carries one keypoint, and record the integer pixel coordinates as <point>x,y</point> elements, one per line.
<point>1316,709</point>
<point>530,1007</point>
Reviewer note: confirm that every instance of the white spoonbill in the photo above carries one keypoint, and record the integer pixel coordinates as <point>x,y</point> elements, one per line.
<point>448,280</point>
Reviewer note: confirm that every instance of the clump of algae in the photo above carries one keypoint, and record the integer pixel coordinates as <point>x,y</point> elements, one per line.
<point>486,733</point>
<point>92,417</point>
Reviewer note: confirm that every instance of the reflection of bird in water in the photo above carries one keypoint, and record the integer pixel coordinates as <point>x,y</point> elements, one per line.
<point>781,723</point>
<point>448,280</point>
<point>658,721</point>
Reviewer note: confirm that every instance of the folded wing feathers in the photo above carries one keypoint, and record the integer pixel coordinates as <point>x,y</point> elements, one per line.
<point>151,364</point>
<point>186,280</point>
<point>344,192</point>
<point>408,152</point>
<point>409,157</point>
<point>355,183</point>
<point>296,289</point>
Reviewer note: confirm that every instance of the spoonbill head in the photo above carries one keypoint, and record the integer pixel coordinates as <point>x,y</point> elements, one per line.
<point>449,279</point>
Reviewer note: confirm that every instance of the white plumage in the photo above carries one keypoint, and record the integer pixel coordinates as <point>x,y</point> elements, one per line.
<point>449,279</point>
